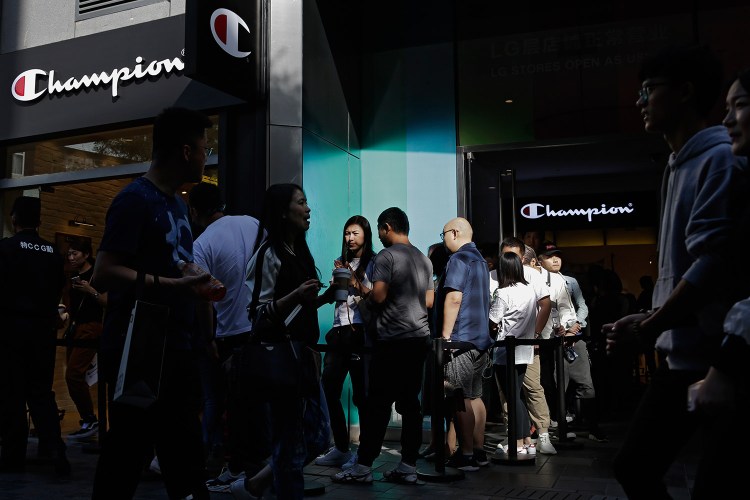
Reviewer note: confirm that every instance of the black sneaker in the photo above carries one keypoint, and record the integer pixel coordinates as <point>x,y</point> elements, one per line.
<point>462,462</point>
<point>87,430</point>
<point>481,457</point>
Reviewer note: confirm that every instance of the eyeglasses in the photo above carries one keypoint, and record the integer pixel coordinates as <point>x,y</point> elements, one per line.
<point>442,235</point>
<point>645,91</point>
<point>208,151</point>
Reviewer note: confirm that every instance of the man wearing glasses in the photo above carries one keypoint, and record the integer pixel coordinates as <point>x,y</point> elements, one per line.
<point>462,314</point>
<point>679,87</point>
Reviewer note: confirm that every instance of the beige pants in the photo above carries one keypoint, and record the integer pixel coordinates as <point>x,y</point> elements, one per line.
<point>532,387</point>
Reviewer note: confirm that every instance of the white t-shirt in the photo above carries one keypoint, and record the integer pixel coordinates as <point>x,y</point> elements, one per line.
<point>531,275</point>
<point>513,308</point>
<point>224,249</point>
<point>558,295</point>
<point>347,313</point>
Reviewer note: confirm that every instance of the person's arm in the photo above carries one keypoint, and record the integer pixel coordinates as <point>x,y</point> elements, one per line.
<point>378,293</point>
<point>542,315</point>
<point>111,273</point>
<point>450,312</point>
<point>582,310</point>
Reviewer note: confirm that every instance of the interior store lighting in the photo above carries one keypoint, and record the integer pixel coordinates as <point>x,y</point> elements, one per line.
<point>80,220</point>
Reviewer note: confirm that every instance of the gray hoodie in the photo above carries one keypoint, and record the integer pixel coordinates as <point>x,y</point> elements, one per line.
<point>695,227</point>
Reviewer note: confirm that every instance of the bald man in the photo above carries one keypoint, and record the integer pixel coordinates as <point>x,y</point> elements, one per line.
<point>462,314</point>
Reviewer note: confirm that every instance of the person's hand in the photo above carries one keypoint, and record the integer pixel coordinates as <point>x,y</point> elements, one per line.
<point>574,329</point>
<point>622,331</point>
<point>337,264</point>
<point>558,331</point>
<point>84,286</point>
<point>716,394</point>
<point>308,291</point>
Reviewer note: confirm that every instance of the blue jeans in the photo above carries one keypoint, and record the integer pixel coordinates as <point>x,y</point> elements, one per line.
<point>300,431</point>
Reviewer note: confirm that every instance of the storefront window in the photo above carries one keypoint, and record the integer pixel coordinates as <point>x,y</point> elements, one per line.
<point>88,152</point>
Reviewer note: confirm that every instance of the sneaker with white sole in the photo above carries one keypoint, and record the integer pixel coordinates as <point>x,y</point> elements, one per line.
<point>544,444</point>
<point>238,491</point>
<point>357,474</point>
<point>530,448</point>
<point>462,462</point>
<point>481,457</point>
<point>223,481</point>
<point>403,474</point>
<point>87,430</point>
<point>553,424</point>
<point>334,458</point>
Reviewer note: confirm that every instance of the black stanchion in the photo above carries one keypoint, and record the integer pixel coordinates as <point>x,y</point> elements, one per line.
<point>511,457</point>
<point>442,474</point>
<point>563,441</point>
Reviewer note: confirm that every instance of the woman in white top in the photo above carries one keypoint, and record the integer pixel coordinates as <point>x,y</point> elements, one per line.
<point>348,335</point>
<point>513,310</point>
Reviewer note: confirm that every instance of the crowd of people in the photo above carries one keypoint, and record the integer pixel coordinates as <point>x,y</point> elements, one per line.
<point>390,308</point>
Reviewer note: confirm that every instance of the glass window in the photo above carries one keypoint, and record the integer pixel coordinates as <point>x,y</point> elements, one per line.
<point>88,152</point>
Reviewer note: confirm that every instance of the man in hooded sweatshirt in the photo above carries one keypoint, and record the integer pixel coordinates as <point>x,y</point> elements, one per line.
<point>679,87</point>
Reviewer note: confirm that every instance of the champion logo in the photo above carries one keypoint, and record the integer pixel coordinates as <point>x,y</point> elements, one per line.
<point>225,27</point>
<point>26,86</point>
<point>538,210</point>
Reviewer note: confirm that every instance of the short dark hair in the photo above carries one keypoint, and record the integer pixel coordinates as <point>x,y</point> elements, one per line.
<point>696,64</point>
<point>205,198</point>
<point>396,218</point>
<point>529,254</point>
<point>27,211</point>
<point>512,242</point>
<point>175,127</point>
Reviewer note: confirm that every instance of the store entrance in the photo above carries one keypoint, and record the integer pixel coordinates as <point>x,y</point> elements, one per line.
<point>597,200</point>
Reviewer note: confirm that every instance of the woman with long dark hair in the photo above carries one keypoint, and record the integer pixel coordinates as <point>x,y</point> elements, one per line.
<point>284,284</point>
<point>86,313</point>
<point>513,310</point>
<point>348,336</point>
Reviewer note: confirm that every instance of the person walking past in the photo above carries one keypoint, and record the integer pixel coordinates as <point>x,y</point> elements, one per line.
<point>32,277</point>
<point>147,232</point>
<point>679,86</point>
<point>86,312</point>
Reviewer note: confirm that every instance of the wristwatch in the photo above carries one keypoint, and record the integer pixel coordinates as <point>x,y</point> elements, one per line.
<point>95,294</point>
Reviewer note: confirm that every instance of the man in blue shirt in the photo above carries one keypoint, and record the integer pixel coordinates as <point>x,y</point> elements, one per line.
<point>463,306</point>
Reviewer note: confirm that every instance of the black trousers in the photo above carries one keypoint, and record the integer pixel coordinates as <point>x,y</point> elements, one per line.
<point>170,426</point>
<point>27,368</point>
<point>395,377</point>
<point>346,358</point>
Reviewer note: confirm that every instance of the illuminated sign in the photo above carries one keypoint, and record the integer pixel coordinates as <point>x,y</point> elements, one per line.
<point>26,86</point>
<point>539,210</point>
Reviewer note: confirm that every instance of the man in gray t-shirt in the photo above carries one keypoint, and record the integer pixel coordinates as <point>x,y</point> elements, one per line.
<point>401,293</point>
<point>407,272</point>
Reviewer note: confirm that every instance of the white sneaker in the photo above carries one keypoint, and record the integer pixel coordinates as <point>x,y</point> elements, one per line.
<point>569,417</point>
<point>238,491</point>
<point>223,481</point>
<point>357,474</point>
<point>530,448</point>
<point>334,458</point>
<point>553,424</point>
<point>571,435</point>
<point>544,444</point>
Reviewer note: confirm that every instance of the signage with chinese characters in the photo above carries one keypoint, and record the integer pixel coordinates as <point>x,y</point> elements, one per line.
<point>224,45</point>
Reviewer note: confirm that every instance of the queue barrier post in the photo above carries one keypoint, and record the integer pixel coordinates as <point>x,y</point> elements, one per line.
<point>511,456</point>
<point>442,474</point>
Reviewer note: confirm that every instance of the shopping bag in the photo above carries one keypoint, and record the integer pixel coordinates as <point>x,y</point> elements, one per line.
<point>92,373</point>
<point>139,377</point>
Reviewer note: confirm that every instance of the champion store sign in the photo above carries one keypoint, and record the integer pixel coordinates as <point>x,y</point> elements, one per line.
<point>225,27</point>
<point>32,84</point>
<point>539,210</point>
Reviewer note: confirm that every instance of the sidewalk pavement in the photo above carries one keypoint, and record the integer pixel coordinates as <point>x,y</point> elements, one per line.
<point>584,473</point>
